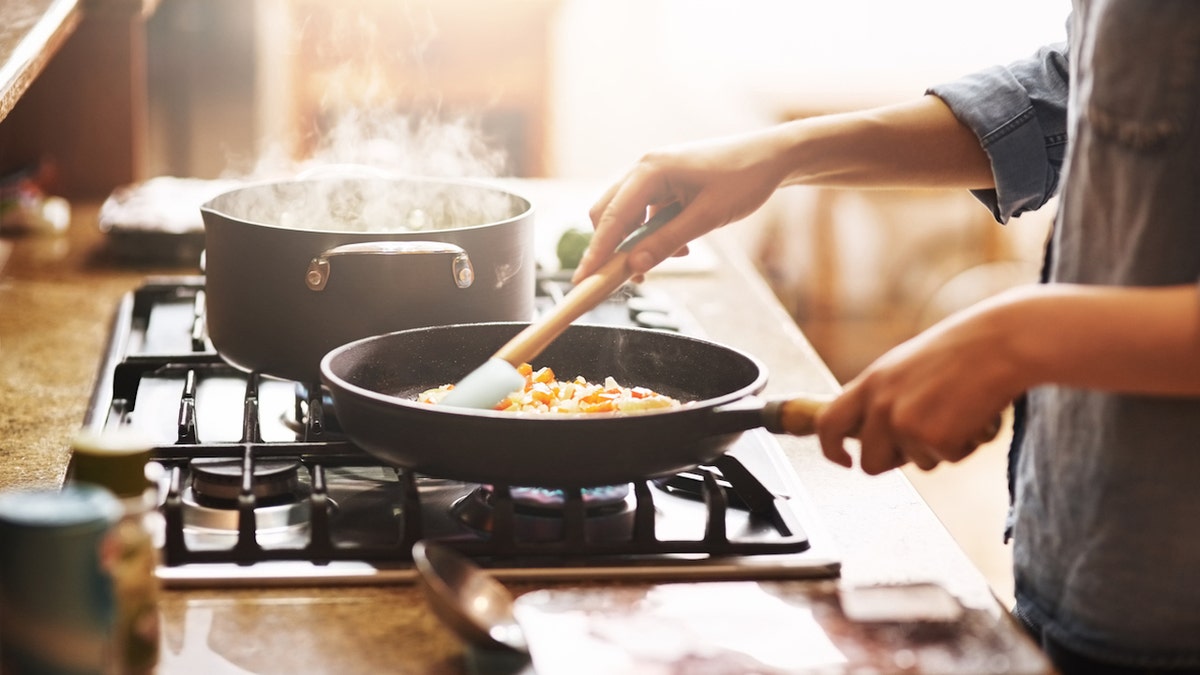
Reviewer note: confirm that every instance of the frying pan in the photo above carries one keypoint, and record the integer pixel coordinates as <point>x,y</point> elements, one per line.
<point>373,383</point>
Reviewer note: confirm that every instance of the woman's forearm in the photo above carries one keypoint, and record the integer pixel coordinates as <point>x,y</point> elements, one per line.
<point>722,180</point>
<point>914,144</point>
<point>1132,340</point>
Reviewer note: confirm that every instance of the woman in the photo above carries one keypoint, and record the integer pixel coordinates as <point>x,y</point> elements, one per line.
<point>1102,360</point>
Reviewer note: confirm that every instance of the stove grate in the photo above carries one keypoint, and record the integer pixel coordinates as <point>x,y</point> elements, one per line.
<point>140,352</point>
<point>503,543</point>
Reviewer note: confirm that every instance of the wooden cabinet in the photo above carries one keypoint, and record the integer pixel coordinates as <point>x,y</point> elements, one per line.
<point>74,97</point>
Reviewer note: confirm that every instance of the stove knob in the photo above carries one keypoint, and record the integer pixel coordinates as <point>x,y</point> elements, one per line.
<point>640,303</point>
<point>658,320</point>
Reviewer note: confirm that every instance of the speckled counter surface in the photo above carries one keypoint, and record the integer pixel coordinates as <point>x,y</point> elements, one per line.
<point>57,297</point>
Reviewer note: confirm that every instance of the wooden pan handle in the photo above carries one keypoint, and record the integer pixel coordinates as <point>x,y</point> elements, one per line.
<point>796,415</point>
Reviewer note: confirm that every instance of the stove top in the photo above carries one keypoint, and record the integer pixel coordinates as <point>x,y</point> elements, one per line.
<point>258,487</point>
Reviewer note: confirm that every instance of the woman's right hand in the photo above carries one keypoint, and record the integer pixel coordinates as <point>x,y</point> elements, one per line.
<point>716,181</point>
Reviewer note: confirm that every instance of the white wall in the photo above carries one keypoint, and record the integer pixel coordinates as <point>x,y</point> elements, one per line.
<point>634,74</point>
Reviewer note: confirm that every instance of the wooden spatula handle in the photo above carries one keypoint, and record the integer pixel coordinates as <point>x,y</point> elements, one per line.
<point>593,290</point>
<point>588,293</point>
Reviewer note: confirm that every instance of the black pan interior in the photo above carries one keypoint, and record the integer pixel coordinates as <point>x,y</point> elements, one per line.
<point>405,364</point>
<point>374,382</point>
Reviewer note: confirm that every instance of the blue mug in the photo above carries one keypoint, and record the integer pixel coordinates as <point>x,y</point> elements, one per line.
<point>57,607</point>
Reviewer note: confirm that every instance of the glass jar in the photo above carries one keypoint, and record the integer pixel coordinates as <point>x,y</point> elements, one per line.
<point>130,554</point>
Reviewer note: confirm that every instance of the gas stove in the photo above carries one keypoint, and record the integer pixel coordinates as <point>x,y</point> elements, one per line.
<point>258,487</point>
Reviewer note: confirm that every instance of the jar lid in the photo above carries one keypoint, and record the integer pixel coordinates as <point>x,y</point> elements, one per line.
<point>115,459</point>
<point>73,506</point>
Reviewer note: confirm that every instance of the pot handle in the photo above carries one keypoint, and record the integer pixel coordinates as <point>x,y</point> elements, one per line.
<point>460,267</point>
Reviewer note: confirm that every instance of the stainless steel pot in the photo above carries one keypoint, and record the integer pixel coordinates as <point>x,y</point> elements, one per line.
<point>295,268</point>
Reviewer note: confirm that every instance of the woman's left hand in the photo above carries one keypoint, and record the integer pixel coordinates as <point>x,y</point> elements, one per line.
<point>932,399</point>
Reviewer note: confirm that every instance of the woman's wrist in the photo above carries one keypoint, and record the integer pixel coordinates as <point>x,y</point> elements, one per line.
<point>1020,318</point>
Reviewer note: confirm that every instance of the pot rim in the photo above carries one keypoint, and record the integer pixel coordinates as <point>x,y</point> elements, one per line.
<point>528,211</point>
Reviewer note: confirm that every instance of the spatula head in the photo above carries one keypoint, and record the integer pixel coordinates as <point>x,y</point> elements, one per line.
<point>485,386</point>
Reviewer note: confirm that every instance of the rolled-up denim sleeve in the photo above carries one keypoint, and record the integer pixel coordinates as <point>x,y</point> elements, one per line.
<point>1019,113</point>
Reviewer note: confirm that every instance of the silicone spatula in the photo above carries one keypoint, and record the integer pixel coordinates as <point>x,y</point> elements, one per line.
<point>491,382</point>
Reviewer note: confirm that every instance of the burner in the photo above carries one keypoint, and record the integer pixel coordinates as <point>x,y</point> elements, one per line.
<point>209,527</point>
<point>217,481</point>
<point>539,513</point>
<point>211,514</point>
<point>595,500</point>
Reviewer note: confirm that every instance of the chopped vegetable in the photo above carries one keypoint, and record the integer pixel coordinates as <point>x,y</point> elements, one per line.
<point>571,246</point>
<point>543,392</point>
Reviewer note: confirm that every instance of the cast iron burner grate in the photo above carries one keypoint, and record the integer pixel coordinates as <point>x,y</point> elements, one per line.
<point>161,375</point>
<point>503,543</point>
<point>713,485</point>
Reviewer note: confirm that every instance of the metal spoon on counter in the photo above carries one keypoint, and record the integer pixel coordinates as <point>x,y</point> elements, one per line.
<point>468,599</point>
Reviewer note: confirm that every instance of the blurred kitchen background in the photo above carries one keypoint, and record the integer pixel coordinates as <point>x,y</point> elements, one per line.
<point>578,89</point>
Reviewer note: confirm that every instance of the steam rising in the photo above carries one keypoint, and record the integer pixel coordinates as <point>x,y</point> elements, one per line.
<point>429,145</point>
<point>344,203</point>
<point>371,164</point>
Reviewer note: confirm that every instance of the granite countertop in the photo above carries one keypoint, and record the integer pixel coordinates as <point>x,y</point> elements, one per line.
<point>58,294</point>
<point>30,33</point>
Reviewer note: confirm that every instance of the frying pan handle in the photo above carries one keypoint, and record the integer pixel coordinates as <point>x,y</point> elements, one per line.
<point>795,415</point>
<point>460,267</point>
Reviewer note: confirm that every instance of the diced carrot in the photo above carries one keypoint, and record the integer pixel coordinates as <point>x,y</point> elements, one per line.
<point>602,406</point>
<point>596,397</point>
<point>541,393</point>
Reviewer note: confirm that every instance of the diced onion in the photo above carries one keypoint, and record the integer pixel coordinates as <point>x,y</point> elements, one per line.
<point>544,393</point>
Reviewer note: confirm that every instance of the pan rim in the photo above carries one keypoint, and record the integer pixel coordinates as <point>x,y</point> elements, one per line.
<point>752,388</point>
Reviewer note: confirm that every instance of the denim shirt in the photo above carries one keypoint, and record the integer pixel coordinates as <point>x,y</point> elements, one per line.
<point>1106,486</point>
